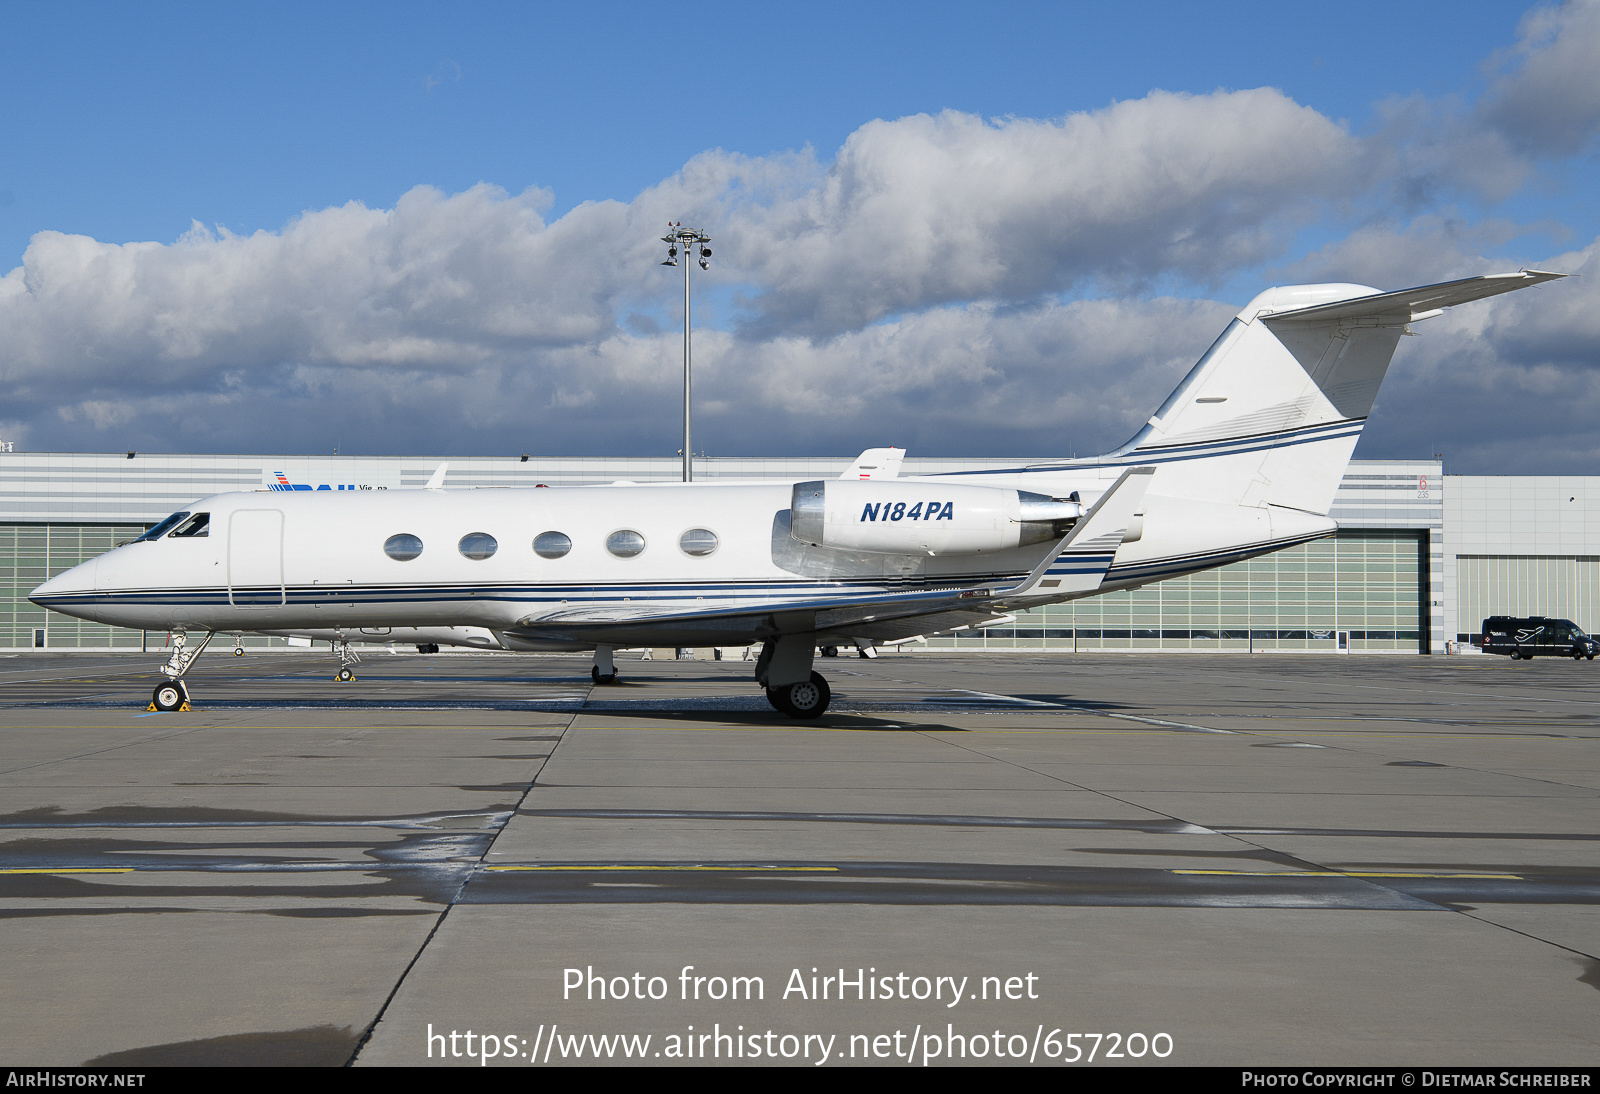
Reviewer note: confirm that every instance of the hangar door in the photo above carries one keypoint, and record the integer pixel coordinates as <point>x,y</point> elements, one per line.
<point>1559,586</point>
<point>255,558</point>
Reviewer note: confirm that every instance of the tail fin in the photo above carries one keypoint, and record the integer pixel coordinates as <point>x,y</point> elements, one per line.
<point>876,463</point>
<point>1272,412</point>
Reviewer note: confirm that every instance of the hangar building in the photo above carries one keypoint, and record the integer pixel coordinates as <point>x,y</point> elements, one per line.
<point>1419,561</point>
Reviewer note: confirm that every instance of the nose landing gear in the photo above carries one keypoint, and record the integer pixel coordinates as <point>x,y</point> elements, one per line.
<point>173,694</point>
<point>347,657</point>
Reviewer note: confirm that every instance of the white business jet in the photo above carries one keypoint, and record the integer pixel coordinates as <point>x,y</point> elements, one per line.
<point>1242,459</point>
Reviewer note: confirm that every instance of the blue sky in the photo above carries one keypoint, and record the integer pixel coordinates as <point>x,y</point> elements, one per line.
<point>129,124</point>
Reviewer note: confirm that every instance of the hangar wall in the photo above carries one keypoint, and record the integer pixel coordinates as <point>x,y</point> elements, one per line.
<point>1523,545</point>
<point>1419,558</point>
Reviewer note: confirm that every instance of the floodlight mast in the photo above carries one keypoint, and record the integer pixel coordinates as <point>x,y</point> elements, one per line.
<point>687,238</point>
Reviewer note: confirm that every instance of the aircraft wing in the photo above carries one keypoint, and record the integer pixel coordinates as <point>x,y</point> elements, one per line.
<point>862,616</point>
<point>1422,302</point>
<point>1075,564</point>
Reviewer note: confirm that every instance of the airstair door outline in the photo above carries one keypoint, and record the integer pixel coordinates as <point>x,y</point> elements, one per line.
<point>255,558</point>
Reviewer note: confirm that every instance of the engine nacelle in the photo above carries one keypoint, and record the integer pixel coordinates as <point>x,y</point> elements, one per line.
<point>924,518</point>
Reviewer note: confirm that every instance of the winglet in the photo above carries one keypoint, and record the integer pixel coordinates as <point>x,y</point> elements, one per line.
<point>876,463</point>
<point>436,482</point>
<point>1078,564</point>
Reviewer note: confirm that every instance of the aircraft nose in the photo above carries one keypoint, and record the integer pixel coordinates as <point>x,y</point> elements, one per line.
<point>78,579</point>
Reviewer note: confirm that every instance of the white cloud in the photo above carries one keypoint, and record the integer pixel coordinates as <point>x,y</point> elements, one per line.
<point>1509,385</point>
<point>1545,96</point>
<point>476,292</point>
<point>928,210</point>
<point>1432,248</point>
<point>908,292</point>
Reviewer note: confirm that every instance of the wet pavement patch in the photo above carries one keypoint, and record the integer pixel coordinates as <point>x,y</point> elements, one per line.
<point>900,883</point>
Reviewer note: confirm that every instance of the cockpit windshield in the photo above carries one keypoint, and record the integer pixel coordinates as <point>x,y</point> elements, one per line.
<point>163,528</point>
<point>193,528</point>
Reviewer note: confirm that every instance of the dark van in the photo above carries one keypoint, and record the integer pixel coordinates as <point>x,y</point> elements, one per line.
<point>1536,635</point>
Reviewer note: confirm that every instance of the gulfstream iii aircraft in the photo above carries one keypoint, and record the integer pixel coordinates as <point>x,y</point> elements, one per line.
<point>1243,458</point>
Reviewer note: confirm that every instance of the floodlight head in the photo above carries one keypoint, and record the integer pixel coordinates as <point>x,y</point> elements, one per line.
<point>669,262</point>
<point>705,252</point>
<point>672,251</point>
<point>703,265</point>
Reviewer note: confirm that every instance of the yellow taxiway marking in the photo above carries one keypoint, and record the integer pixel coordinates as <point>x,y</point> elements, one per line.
<point>1341,873</point>
<point>674,869</point>
<point>75,870</point>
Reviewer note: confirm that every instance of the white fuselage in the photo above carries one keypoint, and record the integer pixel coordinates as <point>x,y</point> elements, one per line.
<point>316,561</point>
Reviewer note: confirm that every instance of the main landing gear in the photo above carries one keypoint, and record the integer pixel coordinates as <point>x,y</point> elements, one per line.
<point>173,693</point>
<point>784,669</point>
<point>604,669</point>
<point>807,699</point>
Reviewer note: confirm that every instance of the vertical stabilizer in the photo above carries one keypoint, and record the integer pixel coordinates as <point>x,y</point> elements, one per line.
<point>1272,412</point>
<point>876,463</point>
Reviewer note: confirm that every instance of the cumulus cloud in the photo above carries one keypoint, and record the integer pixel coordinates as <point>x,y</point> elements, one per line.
<point>928,210</point>
<point>1047,381</point>
<point>895,262</point>
<point>911,291</point>
<point>1542,101</point>
<point>1432,248</point>
<point>1545,94</point>
<point>1509,385</point>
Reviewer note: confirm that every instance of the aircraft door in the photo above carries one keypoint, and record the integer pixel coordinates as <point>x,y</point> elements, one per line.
<point>255,558</point>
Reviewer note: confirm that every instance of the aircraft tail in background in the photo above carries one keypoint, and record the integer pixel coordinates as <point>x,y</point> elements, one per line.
<point>1270,415</point>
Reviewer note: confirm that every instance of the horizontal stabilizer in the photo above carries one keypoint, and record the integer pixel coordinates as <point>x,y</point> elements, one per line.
<point>1406,305</point>
<point>1080,561</point>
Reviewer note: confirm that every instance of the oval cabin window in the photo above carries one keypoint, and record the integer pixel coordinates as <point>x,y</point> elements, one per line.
<point>403,547</point>
<point>698,542</point>
<point>625,543</point>
<point>552,544</point>
<point>478,545</point>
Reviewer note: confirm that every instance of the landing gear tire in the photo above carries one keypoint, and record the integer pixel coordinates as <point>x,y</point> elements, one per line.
<point>168,696</point>
<point>807,699</point>
<point>238,651</point>
<point>830,651</point>
<point>344,676</point>
<point>601,678</point>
